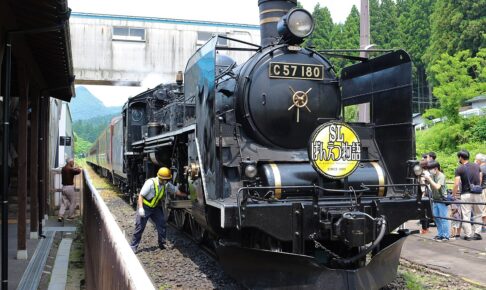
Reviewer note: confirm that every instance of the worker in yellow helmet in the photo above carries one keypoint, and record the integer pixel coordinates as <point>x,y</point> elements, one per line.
<point>149,206</point>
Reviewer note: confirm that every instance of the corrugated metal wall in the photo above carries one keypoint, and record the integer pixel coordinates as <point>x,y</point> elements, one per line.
<point>165,50</point>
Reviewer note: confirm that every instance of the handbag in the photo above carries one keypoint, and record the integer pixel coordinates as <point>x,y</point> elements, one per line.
<point>448,197</point>
<point>473,188</point>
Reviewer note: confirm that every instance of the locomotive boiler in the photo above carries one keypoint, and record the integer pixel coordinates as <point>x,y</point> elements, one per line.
<point>282,206</point>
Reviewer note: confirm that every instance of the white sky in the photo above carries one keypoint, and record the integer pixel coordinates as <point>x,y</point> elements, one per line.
<point>234,11</point>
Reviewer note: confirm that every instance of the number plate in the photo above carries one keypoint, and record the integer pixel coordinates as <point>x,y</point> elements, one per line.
<point>281,70</point>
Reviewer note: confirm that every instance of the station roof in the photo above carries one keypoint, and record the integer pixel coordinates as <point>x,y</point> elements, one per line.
<point>165,20</point>
<point>44,27</point>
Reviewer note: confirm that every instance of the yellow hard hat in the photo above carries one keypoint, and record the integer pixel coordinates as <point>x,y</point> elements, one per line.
<point>164,173</point>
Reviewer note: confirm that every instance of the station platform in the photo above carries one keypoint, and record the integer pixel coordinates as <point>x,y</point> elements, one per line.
<point>47,258</point>
<point>465,259</point>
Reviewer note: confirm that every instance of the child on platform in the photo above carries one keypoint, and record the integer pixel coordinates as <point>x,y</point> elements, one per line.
<point>456,225</point>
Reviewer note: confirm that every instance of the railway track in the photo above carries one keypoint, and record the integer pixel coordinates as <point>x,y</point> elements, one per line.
<point>207,249</point>
<point>185,264</point>
<point>191,264</point>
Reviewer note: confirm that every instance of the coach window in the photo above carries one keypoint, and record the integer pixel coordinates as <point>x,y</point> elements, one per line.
<point>204,36</point>
<point>128,34</point>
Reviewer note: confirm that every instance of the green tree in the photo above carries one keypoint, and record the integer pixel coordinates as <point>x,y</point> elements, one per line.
<point>346,36</point>
<point>375,18</point>
<point>414,34</point>
<point>459,77</point>
<point>322,37</point>
<point>414,26</point>
<point>385,24</point>
<point>455,26</point>
<point>81,146</point>
<point>90,129</point>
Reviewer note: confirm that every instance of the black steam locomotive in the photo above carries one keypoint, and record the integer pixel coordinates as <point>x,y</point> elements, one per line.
<point>241,139</point>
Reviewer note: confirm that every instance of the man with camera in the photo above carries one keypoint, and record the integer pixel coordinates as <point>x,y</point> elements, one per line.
<point>436,179</point>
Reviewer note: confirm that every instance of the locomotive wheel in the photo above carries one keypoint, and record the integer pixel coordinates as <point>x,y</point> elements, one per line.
<point>197,231</point>
<point>179,218</point>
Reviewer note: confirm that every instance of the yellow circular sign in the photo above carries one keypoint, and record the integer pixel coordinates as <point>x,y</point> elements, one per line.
<point>334,150</point>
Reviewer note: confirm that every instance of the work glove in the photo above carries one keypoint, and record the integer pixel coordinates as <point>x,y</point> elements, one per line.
<point>141,212</point>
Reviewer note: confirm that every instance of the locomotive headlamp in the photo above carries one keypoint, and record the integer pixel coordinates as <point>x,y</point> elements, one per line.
<point>250,171</point>
<point>249,168</point>
<point>417,170</point>
<point>296,25</point>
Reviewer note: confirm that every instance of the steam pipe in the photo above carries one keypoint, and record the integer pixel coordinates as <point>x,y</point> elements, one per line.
<point>345,261</point>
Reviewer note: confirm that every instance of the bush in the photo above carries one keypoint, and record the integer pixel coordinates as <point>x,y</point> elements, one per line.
<point>447,139</point>
<point>479,130</point>
<point>441,137</point>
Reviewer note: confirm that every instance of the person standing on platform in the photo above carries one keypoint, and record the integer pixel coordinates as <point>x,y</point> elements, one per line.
<point>467,175</point>
<point>425,188</point>
<point>431,156</point>
<point>481,161</point>
<point>68,196</point>
<point>149,206</point>
<point>436,179</point>
<point>456,225</point>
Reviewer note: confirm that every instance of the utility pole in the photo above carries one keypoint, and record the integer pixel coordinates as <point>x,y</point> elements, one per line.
<point>364,43</point>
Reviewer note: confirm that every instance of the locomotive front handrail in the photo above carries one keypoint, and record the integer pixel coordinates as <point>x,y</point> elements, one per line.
<point>306,187</point>
<point>392,185</point>
<point>240,41</point>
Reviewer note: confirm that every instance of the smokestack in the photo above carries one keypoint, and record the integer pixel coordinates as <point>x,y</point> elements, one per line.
<point>270,13</point>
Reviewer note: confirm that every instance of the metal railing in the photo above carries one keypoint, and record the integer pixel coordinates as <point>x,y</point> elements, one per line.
<point>458,202</point>
<point>109,261</point>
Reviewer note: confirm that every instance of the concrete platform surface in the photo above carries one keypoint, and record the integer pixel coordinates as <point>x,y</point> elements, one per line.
<point>16,268</point>
<point>466,259</point>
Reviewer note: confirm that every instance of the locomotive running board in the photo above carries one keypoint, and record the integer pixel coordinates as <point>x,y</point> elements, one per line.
<point>262,269</point>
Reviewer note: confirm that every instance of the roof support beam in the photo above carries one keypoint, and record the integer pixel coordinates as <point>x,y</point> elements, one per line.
<point>22,167</point>
<point>5,168</point>
<point>34,164</point>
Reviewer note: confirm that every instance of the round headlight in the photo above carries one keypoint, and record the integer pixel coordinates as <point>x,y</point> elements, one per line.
<point>296,25</point>
<point>300,23</point>
<point>250,171</point>
<point>417,170</point>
